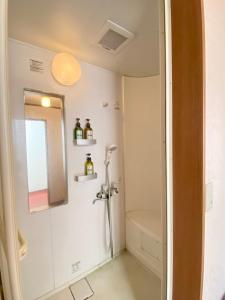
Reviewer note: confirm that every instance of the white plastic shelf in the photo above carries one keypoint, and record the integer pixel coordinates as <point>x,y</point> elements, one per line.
<point>84,178</point>
<point>84,142</point>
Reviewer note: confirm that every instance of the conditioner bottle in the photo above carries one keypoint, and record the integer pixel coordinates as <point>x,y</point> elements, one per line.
<point>88,132</point>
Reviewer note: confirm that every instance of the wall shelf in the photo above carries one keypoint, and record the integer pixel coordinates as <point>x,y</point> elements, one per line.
<point>84,178</point>
<point>84,142</point>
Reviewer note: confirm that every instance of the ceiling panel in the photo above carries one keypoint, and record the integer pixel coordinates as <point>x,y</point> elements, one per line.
<point>72,26</point>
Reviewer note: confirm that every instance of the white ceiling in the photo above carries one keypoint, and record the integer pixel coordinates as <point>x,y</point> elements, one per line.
<point>72,26</point>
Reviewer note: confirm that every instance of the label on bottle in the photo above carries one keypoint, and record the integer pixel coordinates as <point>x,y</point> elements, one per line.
<point>89,134</point>
<point>79,134</point>
<point>89,170</point>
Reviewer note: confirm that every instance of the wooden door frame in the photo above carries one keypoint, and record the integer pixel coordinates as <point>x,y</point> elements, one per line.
<point>188,147</point>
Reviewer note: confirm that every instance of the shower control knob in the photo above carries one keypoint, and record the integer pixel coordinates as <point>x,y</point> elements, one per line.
<point>116,191</point>
<point>99,195</point>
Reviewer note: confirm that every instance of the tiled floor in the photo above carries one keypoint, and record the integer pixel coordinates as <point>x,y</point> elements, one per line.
<point>63,295</point>
<point>124,278</point>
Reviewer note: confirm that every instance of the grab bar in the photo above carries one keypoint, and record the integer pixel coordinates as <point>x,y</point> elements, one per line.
<point>22,246</point>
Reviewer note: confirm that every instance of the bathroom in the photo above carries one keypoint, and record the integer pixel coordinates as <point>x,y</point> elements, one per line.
<point>90,244</point>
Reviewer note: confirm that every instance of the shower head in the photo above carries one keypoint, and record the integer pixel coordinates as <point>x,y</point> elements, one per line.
<point>109,150</point>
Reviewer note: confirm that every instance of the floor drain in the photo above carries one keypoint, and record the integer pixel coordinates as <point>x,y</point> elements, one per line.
<point>81,290</point>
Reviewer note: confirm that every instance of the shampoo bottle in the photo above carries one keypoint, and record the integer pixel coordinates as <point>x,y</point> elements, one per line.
<point>78,131</point>
<point>88,132</point>
<point>89,166</point>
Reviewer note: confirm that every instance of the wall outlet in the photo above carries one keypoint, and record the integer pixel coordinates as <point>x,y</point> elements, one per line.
<point>75,267</point>
<point>209,196</point>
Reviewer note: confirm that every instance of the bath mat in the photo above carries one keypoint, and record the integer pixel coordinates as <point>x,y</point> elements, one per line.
<point>81,290</point>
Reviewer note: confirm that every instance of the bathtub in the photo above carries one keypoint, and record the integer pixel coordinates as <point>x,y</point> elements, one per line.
<point>144,238</point>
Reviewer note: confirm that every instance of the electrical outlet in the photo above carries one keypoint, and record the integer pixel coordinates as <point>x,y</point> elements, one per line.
<point>75,267</point>
<point>209,197</point>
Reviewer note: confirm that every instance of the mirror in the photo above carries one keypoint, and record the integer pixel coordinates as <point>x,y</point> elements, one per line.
<point>45,150</point>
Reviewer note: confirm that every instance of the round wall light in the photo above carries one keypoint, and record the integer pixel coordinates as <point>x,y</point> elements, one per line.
<point>66,69</point>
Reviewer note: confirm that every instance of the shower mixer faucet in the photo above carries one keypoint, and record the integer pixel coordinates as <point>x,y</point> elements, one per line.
<point>105,193</point>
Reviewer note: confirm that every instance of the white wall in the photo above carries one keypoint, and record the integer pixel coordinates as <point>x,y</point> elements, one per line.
<point>214,265</point>
<point>143,143</point>
<point>61,236</point>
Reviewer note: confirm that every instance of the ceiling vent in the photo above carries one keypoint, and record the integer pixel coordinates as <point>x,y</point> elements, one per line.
<point>113,37</point>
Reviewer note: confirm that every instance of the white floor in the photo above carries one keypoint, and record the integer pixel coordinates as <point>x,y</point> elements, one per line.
<point>124,278</point>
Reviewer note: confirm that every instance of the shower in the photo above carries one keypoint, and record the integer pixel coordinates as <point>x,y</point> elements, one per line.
<point>74,240</point>
<point>108,153</point>
<point>107,190</point>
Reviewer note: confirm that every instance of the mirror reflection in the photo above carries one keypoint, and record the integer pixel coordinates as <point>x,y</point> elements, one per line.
<point>45,150</point>
<point>37,169</point>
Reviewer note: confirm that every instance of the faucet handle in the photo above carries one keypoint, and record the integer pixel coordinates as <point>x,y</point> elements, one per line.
<point>99,195</point>
<point>114,188</point>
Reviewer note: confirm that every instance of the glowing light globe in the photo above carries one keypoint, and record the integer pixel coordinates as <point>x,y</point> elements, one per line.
<point>66,69</point>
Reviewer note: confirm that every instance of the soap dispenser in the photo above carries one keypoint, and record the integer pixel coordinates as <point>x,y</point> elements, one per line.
<point>78,131</point>
<point>89,166</point>
<point>88,132</point>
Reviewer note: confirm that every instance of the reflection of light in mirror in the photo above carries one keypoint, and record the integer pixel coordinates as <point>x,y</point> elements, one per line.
<point>46,101</point>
